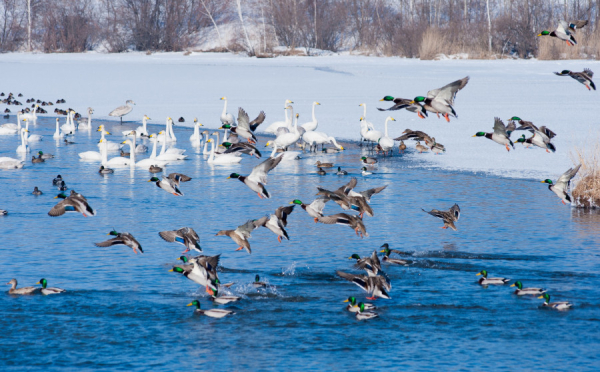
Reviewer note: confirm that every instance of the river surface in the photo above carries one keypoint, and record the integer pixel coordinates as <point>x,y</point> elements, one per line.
<point>128,312</point>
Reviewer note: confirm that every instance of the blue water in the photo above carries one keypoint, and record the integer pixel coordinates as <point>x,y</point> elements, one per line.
<point>127,312</point>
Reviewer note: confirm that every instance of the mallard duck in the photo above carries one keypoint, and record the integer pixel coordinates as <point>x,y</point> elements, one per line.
<point>449,217</point>
<point>20,291</point>
<point>565,31</point>
<point>354,222</point>
<point>257,283</point>
<point>75,202</point>
<point>367,194</point>
<point>584,77</point>
<point>314,209</point>
<point>365,172</point>
<point>386,257</point>
<point>221,300</point>
<point>561,186</point>
<point>185,236</point>
<point>440,101</point>
<point>324,165</point>
<point>201,270</point>
<point>104,170</point>
<point>56,180</point>
<point>415,135</point>
<point>403,103</point>
<point>155,169</point>
<point>420,148</point>
<point>353,308</point>
<point>341,172</point>
<point>245,128</point>
<point>374,285</point>
<point>3,212</point>
<point>37,191</point>
<point>277,222</point>
<point>177,178</point>
<point>122,238</point>
<point>401,147</point>
<point>363,314</point>
<point>484,280</point>
<point>321,172</point>
<point>342,197</point>
<point>49,290</point>
<point>241,148</point>
<point>538,139</point>
<point>37,160</point>
<point>370,264</point>
<point>167,184</point>
<point>241,235</point>
<point>368,160</point>
<point>43,155</point>
<point>213,313</point>
<point>125,154</point>
<point>564,305</point>
<point>520,291</point>
<point>257,179</point>
<point>499,136</point>
<point>436,148</point>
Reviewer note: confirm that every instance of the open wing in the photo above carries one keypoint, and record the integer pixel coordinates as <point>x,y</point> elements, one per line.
<point>319,203</point>
<point>574,25</point>
<point>246,229</point>
<point>499,127</point>
<point>340,219</point>
<point>243,119</point>
<point>259,173</point>
<point>455,210</point>
<point>283,212</point>
<point>114,241</point>
<point>448,92</point>
<point>258,121</point>
<point>568,175</point>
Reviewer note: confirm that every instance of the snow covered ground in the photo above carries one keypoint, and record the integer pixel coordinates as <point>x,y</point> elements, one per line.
<point>171,84</point>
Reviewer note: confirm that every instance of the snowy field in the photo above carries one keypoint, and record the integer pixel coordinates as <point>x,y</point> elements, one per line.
<point>171,84</point>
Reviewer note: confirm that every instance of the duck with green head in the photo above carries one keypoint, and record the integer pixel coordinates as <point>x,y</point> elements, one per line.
<point>257,179</point>
<point>213,313</point>
<point>363,313</point>
<point>49,290</point>
<point>561,187</point>
<point>520,291</point>
<point>386,255</point>
<point>220,300</point>
<point>314,209</point>
<point>563,305</point>
<point>257,283</point>
<point>584,77</point>
<point>564,31</point>
<point>167,184</point>
<point>353,307</point>
<point>368,160</point>
<point>403,103</point>
<point>499,135</point>
<point>484,280</point>
<point>441,100</point>
<point>370,264</point>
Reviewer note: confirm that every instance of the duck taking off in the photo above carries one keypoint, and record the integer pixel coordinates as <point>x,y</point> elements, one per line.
<point>561,186</point>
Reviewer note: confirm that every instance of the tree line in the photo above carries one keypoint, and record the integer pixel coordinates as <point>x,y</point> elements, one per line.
<point>406,28</point>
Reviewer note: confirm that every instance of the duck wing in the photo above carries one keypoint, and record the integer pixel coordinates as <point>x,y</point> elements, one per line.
<point>110,242</point>
<point>367,194</point>
<point>589,73</point>
<point>574,25</point>
<point>319,203</point>
<point>258,121</point>
<point>59,209</point>
<point>566,178</point>
<point>179,177</point>
<point>500,128</point>
<point>283,212</point>
<point>360,280</point>
<point>339,218</point>
<point>246,229</point>
<point>447,93</point>
<point>455,211</point>
<point>243,119</point>
<point>550,134</point>
<point>259,173</point>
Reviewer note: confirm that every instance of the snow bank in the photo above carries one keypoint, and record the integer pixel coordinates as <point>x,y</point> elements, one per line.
<point>171,84</point>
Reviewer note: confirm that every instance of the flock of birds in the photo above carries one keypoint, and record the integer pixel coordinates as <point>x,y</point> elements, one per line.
<point>239,139</point>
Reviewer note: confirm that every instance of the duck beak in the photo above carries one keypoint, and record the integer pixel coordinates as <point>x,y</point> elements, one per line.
<point>382,251</point>
<point>478,274</point>
<point>171,270</point>
<point>539,35</point>
<point>347,300</point>
<point>37,283</point>
<point>381,100</point>
<point>512,285</point>
<point>474,135</point>
<point>190,304</point>
<point>228,177</point>
<point>342,147</point>
<point>411,103</point>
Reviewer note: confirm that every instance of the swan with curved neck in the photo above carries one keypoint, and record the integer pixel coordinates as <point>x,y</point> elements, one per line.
<point>57,133</point>
<point>87,124</point>
<point>278,124</point>
<point>223,158</point>
<point>196,137</point>
<point>386,142</point>
<point>172,137</point>
<point>23,148</point>
<point>287,139</point>
<point>364,117</point>
<point>226,118</point>
<point>168,156</point>
<point>286,155</point>
<point>117,161</point>
<point>312,125</point>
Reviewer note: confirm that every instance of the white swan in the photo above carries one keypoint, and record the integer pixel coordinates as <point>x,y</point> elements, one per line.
<point>278,124</point>
<point>33,137</point>
<point>226,118</point>
<point>7,131</point>
<point>312,125</point>
<point>219,149</point>
<point>86,124</point>
<point>141,131</point>
<point>117,161</point>
<point>364,117</point>
<point>172,137</point>
<point>371,134</point>
<point>11,163</point>
<point>69,126</point>
<point>31,115</point>
<point>164,155</point>
<point>285,155</point>
<point>286,139</point>
<point>312,138</point>
<point>172,150</point>
<point>196,137</point>
<point>152,160</point>
<point>110,146</point>
<point>386,142</point>
<point>16,127</point>
<point>205,151</point>
<point>57,133</point>
<point>223,158</point>
<point>23,148</point>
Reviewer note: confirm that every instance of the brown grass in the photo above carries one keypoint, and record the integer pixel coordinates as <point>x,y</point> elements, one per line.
<point>586,192</point>
<point>434,42</point>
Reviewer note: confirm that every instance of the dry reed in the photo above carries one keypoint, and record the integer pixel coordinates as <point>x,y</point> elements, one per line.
<point>586,192</point>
